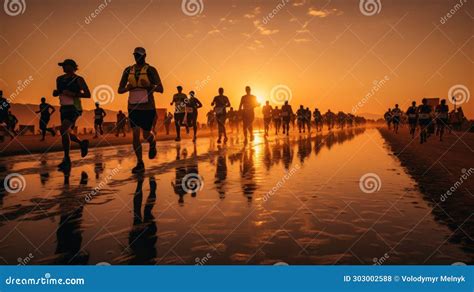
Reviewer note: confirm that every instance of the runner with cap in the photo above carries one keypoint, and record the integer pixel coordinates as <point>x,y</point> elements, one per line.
<point>141,80</point>
<point>70,88</point>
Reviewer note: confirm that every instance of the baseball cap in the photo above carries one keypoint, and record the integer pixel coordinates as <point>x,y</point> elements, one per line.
<point>69,62</point>
<point>140,51</point>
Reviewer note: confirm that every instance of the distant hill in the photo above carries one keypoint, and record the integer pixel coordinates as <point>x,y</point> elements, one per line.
<point>25,113</point>
<point>370,116</point>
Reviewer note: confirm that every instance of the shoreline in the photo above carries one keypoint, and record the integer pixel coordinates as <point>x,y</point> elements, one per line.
<point>438,168</point>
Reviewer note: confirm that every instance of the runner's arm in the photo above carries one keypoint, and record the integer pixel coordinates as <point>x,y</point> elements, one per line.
<point>123,82</point>
<point>156,85</point>
<point>85,92</point>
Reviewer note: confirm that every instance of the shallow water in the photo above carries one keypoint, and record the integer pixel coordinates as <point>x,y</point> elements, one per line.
<point>295,200</point>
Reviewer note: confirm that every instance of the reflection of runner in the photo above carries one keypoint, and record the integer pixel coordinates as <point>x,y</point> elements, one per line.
<point>247,105</point>
<point>412,118</point>
<point>192,113</point>
<point>267,116</point>
<point>286,114</point>
<point>442,120</point>
<point>99,115</point>
<point>70,88</point>
<point>141,80</point>
<point>220,103</point>
<point>142,237</point>
<point>45,115</point>
<point>179,101</point>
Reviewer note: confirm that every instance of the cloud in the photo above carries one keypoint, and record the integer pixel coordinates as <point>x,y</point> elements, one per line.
<point>323,13</point>
<point>255,45</point>
<point>263,30</point>
<point>256,11</point>
<point>301,40</point>
<point>299,3</point>
<point>214,31</point>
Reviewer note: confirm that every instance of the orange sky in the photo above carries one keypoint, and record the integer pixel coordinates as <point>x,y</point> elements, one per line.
<point>328,53</point>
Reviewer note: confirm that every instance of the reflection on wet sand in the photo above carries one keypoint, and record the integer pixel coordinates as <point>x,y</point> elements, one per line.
<point>143,237</point>
<point>318,216</point>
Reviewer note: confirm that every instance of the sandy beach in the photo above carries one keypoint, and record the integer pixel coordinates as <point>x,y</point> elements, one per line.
<point>438,167</point>
<point>22,145</point>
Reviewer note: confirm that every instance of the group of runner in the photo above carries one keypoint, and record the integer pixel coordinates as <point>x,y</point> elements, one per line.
<point>423,116</point>
<point>141,80</point>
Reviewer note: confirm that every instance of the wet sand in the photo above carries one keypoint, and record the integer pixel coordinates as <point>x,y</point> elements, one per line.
<point>23,145</point>
<point>438,167</point>
<point>292,199</point>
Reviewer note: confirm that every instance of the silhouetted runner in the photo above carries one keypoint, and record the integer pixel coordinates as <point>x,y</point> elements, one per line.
<point>267,117</point>
<point>192,106</point>
<point>220,104</point>
<point>179,101</point>
<point>318,120</point>
<point>12,121</point>
<point>45,116</point>
<point>141,80</point>
<point>286,114</point>
<point>424,119</point>
<point>99,115</point>
<point>301,116</point>
<point>167,122</point>
<point>388,118</point>
<point>276,117</point>
<point>121,122</point>
<point>4,107</point>
<point>396,116</point>
<point>442,119</point>
<point>412,118</point>
<point>70,88</point>
<point>248,103</point>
